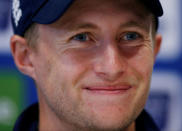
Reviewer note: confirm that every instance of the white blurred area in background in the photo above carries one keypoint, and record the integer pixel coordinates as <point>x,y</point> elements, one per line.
<point>170,28</point>
<point>164,102</point>
<point>5,26</point>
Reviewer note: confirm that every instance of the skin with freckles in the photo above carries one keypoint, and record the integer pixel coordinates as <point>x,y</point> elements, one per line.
<point>93,66</point>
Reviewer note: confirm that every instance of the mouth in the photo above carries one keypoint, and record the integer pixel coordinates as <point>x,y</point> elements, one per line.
<point>106,90</point>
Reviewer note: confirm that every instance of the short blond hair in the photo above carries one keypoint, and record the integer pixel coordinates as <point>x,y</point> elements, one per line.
<point>31,35</point>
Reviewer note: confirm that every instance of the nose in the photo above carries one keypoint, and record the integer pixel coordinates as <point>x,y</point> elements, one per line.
<point>110,64</point>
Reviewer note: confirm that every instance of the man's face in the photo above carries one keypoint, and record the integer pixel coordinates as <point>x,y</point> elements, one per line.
<point>93,66</point>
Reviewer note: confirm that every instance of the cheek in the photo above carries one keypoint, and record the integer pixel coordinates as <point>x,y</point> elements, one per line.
<point>143,63</point>
<point>142,66</point>
<point>76,64</point>
<point>61,71</point>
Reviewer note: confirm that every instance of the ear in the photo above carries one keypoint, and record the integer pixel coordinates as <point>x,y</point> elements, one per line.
<point>22,54</point>
<point>157,45</point>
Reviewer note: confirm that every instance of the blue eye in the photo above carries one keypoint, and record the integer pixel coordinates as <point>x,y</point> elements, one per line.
<point>81,37</point>
<point>131,36</point>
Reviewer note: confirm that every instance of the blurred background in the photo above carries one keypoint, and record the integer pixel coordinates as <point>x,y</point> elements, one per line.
<point>17,91</point>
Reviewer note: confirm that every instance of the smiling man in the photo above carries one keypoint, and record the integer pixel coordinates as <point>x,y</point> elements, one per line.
<point>91,60</point>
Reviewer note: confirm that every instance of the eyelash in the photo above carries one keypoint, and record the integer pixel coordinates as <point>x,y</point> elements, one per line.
<point>83,35</point>
<point>133,38</point>
<point>86,36</point>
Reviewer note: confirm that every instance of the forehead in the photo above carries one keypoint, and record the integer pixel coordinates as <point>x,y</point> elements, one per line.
<point>85,8</point>
<point>102,13</point>
<point>106,18</point>
<point>117,4</point>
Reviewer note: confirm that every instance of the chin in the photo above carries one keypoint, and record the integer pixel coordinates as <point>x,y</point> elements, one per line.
<point>111,125</point>
<point>112,121</point>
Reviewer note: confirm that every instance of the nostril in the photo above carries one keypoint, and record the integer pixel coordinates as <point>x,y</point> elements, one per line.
<point>109,75</point>
<point>110,64</point>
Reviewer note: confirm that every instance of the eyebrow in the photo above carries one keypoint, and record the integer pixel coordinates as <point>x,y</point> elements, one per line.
<point>80,26</point>
<point>88,25</point>
<point>134,24</point>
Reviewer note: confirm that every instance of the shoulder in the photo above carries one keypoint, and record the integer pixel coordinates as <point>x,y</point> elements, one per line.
<point>144,122</point>
<point>28,120</point>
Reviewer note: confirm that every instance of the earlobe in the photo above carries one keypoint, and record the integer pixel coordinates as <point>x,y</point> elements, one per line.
<point>157,45</point>
<point>21,54</point>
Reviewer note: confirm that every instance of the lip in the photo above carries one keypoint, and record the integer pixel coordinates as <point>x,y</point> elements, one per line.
<point>108,89</point>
